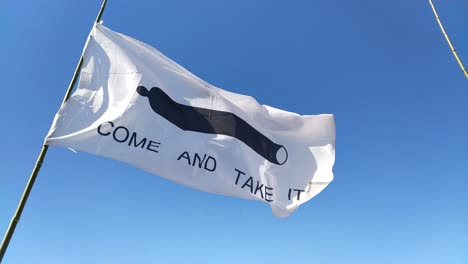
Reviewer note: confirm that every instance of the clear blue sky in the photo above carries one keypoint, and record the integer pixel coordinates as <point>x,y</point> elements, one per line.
<point>382,67</point>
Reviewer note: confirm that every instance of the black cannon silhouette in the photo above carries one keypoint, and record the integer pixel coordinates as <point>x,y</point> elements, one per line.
<point>210,121</point>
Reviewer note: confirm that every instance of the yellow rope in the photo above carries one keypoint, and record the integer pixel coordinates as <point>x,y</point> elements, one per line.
<point>448,40</point>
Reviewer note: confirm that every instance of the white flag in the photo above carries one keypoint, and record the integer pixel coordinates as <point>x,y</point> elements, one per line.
<point>135,105</point>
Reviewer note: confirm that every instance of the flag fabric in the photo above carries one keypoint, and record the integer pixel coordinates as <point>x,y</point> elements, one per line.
<point>135,105</point>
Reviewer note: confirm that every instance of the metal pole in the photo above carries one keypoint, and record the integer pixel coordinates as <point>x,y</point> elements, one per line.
<point>19,210</point>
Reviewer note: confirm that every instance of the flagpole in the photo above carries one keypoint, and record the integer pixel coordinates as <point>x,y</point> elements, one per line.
<point>455,54</point>
<point>19,210</point>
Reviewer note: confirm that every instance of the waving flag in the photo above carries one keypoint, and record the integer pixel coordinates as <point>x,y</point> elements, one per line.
<point>135,105</point>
